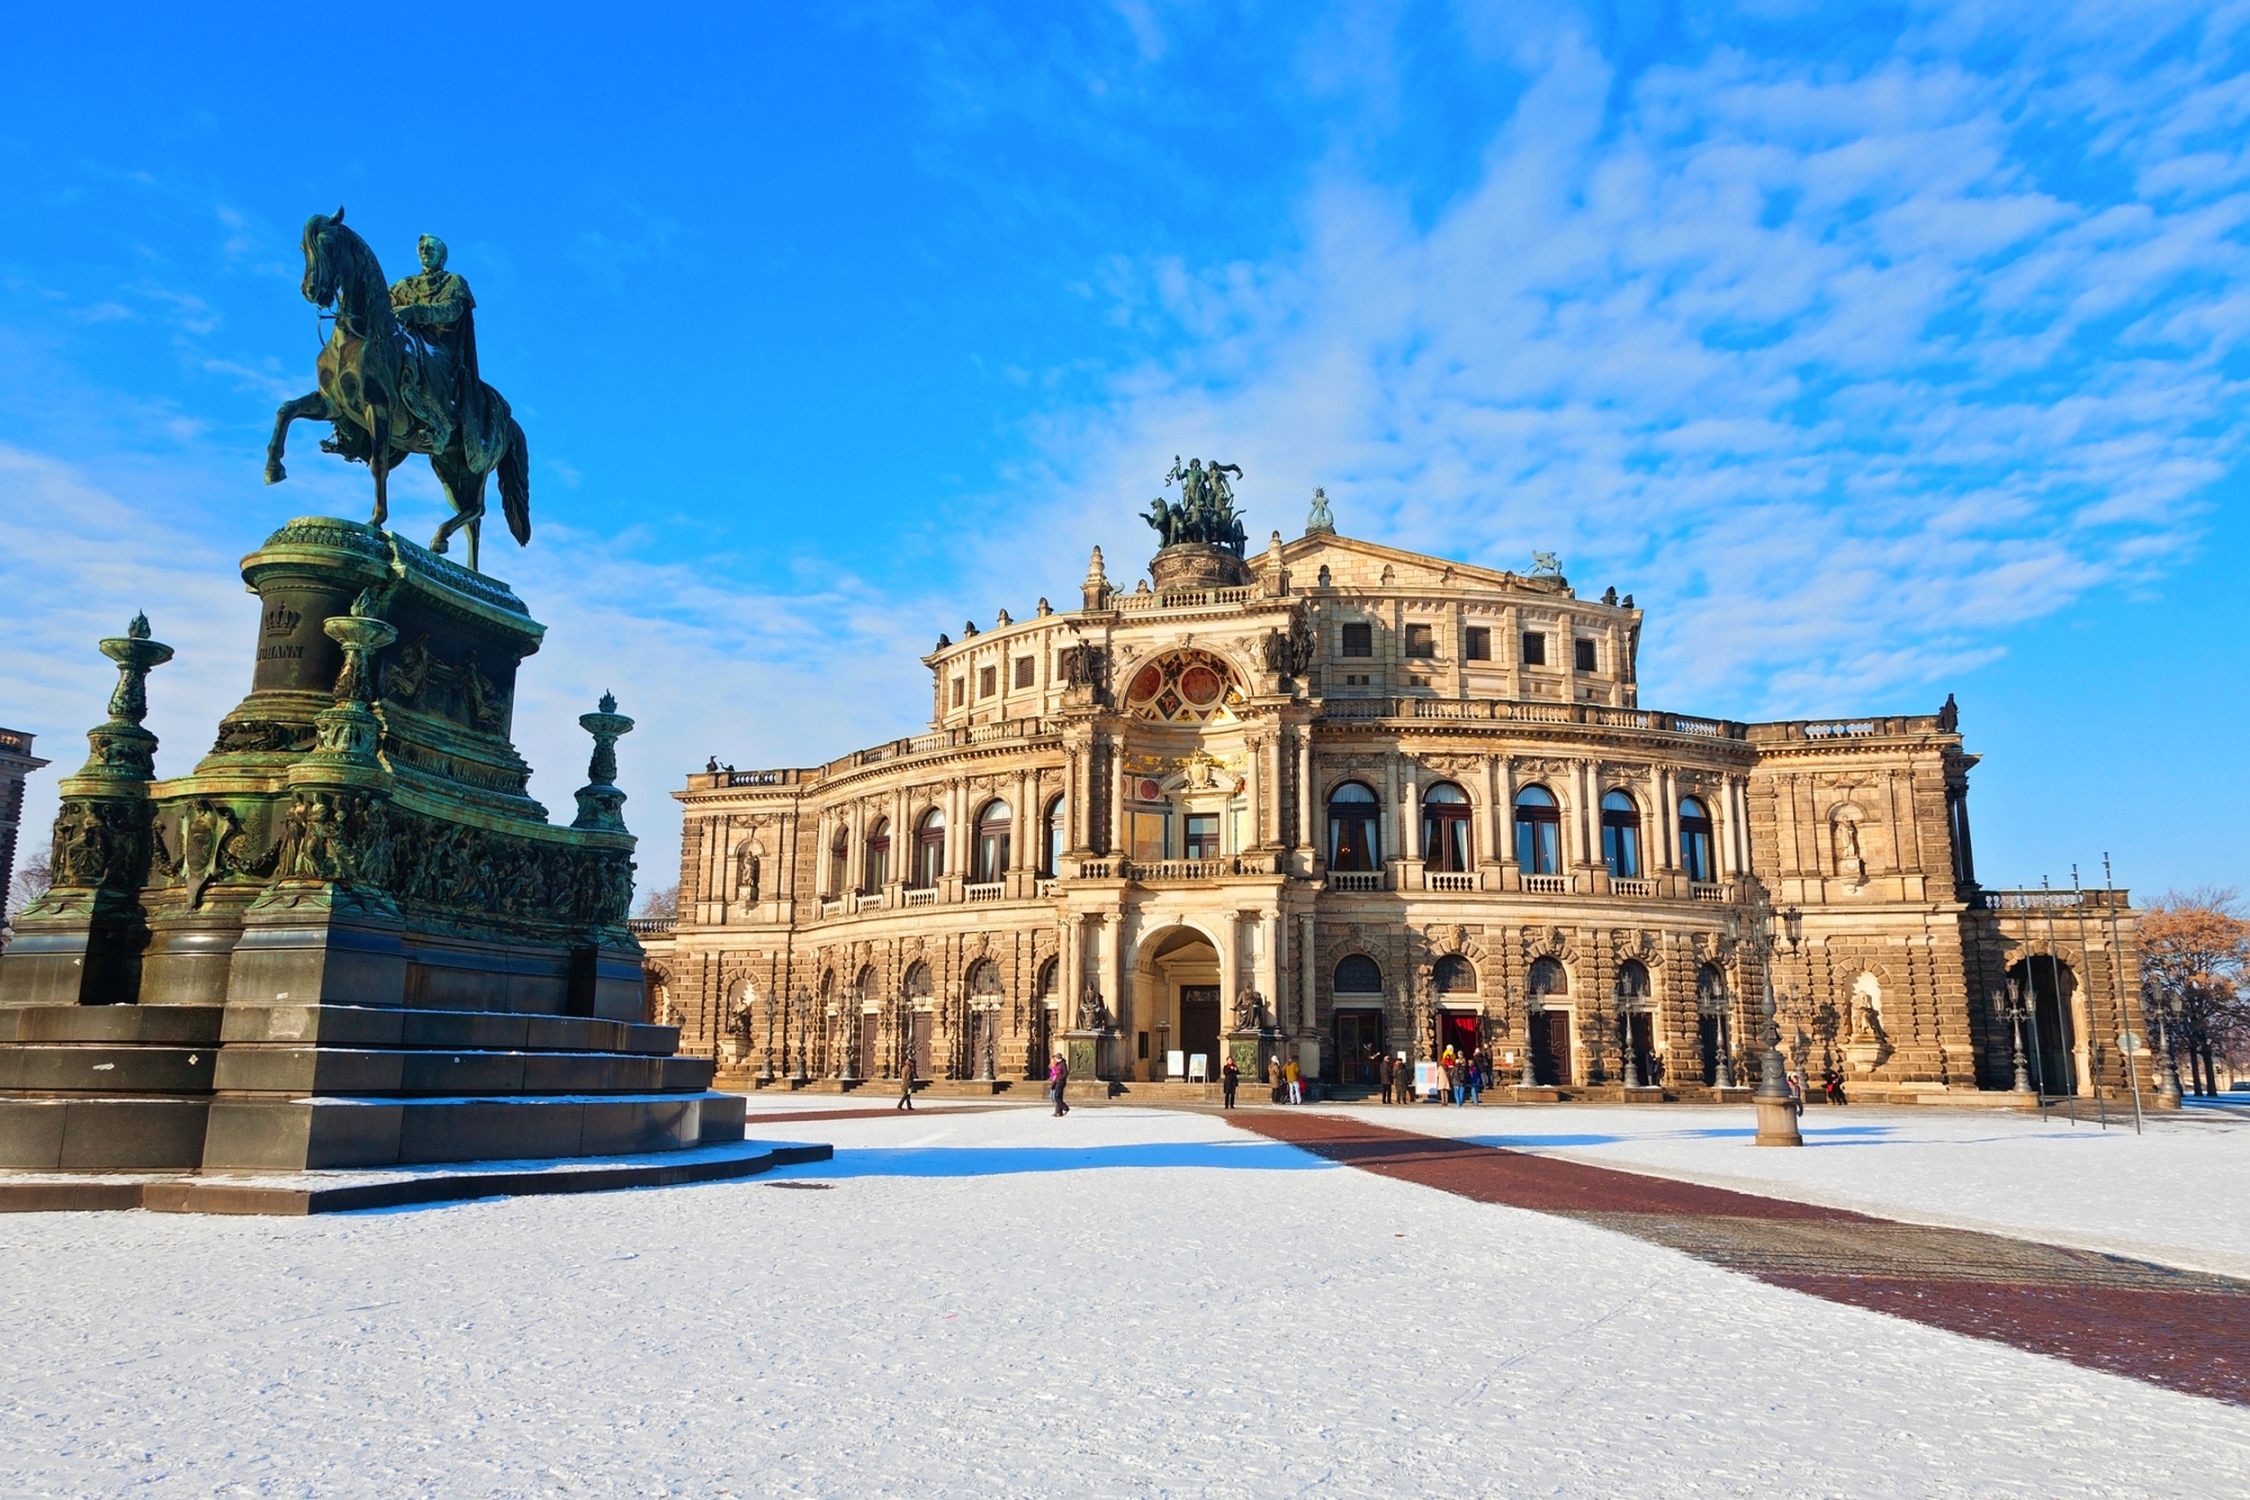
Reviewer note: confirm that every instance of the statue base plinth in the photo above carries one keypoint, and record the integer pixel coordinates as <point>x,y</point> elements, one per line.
<point>1092,1054</point>
<point>1197,565</point>
<point>358,941</point>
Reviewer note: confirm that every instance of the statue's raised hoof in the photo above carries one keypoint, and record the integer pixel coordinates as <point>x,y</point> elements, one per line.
<point>275,473</point>
<point>437,543</point>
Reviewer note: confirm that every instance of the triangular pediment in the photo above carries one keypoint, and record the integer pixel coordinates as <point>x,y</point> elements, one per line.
<point>1355,564</point>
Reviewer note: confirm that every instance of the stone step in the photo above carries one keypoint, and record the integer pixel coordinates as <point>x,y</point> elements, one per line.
<point>377,1026</point>
<point>96,1134</point>
<point>99,1068</point>
<point>370,1070</point>
<point>288,1135</point>
<point>173,1025</point>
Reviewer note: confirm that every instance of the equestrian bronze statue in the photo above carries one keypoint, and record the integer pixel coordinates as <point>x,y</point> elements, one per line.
<point>398,375</point>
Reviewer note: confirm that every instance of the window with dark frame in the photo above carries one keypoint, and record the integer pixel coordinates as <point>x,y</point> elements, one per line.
<point>1534,649</point>
<point>1026,669</point>
<point>1357,640</point>
<point>1478,646</point>
<point>988,681</point>
<point>1421,641</point>
<point>960,691</point>
<point>1583,651</point>
<point>1202,836</point>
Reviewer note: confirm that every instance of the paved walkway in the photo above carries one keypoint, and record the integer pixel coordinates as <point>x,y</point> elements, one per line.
<point>2181,1329</point>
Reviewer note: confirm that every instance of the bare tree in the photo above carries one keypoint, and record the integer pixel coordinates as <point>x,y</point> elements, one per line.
<point>2195,953</point>
<point>30,884</point>
<point>662,903</point>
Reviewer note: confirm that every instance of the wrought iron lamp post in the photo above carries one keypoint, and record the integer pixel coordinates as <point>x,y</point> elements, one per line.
<point>802,1007</point>
<point>1777,1107</point>
<point>1625,1040</point>
<point>849,1041</point>
<point>2167,1068</point>
<point>2008,1003</point>
<point>773,1006</point>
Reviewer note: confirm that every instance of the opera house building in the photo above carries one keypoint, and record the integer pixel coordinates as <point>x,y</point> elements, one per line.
<point>1337,799</point>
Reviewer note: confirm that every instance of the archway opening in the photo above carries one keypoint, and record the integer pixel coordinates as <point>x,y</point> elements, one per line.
<point>2051,1040</point>
<point>1176,1015</point>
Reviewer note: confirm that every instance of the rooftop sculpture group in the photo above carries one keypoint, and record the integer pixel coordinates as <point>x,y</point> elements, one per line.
<point>1205,510</point>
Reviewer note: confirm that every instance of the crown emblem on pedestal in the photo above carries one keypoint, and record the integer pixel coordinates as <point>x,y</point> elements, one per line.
<point>282,620</point>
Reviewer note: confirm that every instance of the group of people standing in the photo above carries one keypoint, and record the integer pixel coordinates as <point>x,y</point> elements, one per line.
<point>1285,1081</point>
<point>1463,1076</point>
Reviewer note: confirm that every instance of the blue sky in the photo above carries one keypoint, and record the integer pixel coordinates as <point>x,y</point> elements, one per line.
<point>1880,351</point>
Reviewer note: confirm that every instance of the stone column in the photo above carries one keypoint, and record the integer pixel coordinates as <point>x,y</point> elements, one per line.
<point>1308,980</point>
<point>1309,831</point>
<point>1410,810</point>
<point>1257,790</point>
<point>1725,830</point>
<point>1269,963</point>
<point>1504,810</point>
<point>1118,848</point>
<point>1230,965</point>
<point>1023,830</point>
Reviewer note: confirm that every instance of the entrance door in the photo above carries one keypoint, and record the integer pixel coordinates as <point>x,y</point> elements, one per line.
<point>870,1044</point>
<point>1707,1043</point>
<point>1199,1027</point>
<point>1641,1029</point>
<point>1359,1047</point>
<point>1458,1032</point>
<point>1550,1048</point>
<point>2057,1065</point>
<point>923,1021</point>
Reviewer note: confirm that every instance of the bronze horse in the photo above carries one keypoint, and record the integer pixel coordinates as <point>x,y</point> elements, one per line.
<point>378,389</point>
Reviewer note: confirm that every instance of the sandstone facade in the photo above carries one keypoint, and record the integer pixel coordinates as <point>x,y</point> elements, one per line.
<point>1337,798</point>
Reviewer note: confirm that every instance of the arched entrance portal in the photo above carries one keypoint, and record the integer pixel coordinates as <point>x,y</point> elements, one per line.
<point>2052,1041</point>
<point>1176,1005</point>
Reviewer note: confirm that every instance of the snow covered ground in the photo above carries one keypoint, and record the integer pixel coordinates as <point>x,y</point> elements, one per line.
<point>2178,1194</point>
<point>1123,1302</point>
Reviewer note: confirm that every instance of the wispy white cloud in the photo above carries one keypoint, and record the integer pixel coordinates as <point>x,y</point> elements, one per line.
<point>1816,360</point>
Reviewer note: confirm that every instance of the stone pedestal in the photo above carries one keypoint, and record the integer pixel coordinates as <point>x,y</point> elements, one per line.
<point>1777,1123</point>
<point>349,937</point>
<point>1092,1055</point>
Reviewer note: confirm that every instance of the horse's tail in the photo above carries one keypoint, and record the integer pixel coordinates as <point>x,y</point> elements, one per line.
<point>515,484</point>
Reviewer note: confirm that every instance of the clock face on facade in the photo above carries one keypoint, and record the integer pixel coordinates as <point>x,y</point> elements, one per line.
<point>1185,687</point>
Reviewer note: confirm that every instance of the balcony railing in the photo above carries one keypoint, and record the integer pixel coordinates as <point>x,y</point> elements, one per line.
<point>832,907</point>
<point>868,901</point>
<point>988,891</point>
<point>1709,890</point>
<point>1180,599</point>
<point>1448,880</point>
<point>1355,880</point>
<point>1640,890</point>
<point>1547,885</point>
<point>1522,711</point>
<point>2046,900</point>
<point>922,896</point>
<point>650,926</point>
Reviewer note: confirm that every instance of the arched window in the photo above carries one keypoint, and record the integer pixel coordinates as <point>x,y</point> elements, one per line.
<point>1632,982</point>
<point>1353,843</point>
<point>929,849</point>
<point>1358,975</point>
<point>994,825</point>
<point>1695,842</point>
<point>1445,828</point>
<point>878,856</point>
<point>863,988</point>
<point>984,979</point>
<point>1047,974</point>
<point>1710,989</point>
<point>917,985</point>
<point>1547,978</point>
<point>1051,849</point>
<point>1454,975</point>
<point>839,861</point>
<point>1621,835</point>
<point>1538,831</point>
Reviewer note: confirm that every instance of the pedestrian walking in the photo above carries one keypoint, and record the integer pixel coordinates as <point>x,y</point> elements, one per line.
<point>1230,1077</point>
<point>1471,1067</point>
<point>906,1084</point>
<point>1058,1084</point>
<point>1296,1082</point>
<point>1796,1083</point>
<point>1453,1076</point>
<point>1835,1085</point>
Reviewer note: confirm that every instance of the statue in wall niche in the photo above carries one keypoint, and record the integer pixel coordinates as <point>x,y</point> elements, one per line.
<point>748,885</point>
<point>1093,1015</point>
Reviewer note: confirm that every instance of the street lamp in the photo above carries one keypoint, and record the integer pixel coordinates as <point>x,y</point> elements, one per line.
<point>800,1007</point>
<point>773,1004</point>
<point>1776,1106</point>
<point>1625,1038</point>
<point>849,1021</point>
<point>2009,1005</point>
<point>2167,1069</point>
